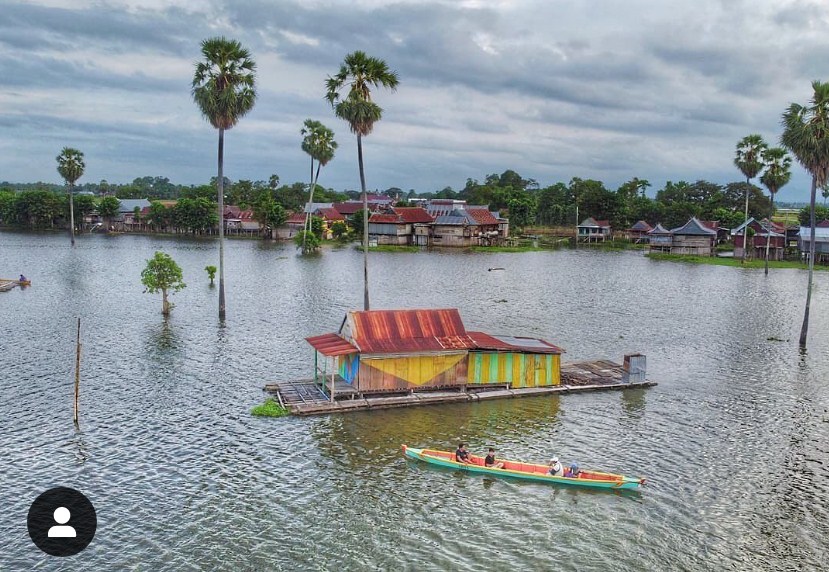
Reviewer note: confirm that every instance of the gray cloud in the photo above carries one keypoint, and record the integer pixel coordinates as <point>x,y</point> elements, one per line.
<point>606,91</point>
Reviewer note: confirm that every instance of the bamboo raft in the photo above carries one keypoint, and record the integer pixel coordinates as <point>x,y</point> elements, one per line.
<point>307,397</point>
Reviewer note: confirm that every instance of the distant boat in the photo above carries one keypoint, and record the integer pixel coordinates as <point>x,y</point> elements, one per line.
<point>524,471</point>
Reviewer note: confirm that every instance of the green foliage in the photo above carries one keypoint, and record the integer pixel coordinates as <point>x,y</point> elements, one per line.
<point>162,274</point>
<point>749,156</point>
<point>270,408</point>
<point>211,272</point>
<point>108,207</point>
<point>356,222</point>
<point>195,215</point>
<point>359,72</point>
<point>70,165</point>
<point>521,211</point>
<point>727,261</point>
<point>160,216</point>
<point>224,83</point>
<point>317,226</point>
<point>308,241</point>
<point>339,229</point>
<point>268,212</point>
<point>318,142</point>
<point>84,205</point>
<point>821,214</point>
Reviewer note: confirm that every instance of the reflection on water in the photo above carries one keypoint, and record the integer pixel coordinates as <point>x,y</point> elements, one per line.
<point>733,442</point>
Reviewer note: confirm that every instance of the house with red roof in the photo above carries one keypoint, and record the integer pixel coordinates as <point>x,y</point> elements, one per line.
<point>391,351</point>
<point>399,225</point>
<point>760,232</point>
<point>592,230</point>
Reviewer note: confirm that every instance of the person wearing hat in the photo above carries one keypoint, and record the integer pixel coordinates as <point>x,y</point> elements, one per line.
<point>572,472</point>
<point>555,468</point>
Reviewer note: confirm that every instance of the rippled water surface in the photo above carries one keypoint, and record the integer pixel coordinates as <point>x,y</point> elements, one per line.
<point>734,440</point>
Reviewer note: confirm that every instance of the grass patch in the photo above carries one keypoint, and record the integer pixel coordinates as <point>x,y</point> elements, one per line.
<point>390,248</point>
<point>515,248</point>
<point>270,408</point>
<point>735,262</point>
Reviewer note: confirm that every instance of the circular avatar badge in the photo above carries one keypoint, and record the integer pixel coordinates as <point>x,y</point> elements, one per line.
<point>62,522</point>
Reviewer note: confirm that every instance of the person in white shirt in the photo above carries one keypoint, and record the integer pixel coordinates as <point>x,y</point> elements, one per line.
<point>556,469</point>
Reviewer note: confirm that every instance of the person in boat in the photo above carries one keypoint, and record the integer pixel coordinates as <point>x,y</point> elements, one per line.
<point>490,461</point>
<point>556,469</point>
<point>572,471</point>
<point>462,455</point>
<point>22,278</point>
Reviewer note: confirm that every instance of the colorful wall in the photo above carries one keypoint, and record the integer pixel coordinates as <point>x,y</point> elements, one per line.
<point>411,372</point>
<point>517,369</point>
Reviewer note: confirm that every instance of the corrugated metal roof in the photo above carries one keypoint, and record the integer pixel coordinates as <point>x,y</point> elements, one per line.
<point>330,213</point>
<point>331,345</point>
<point>694,228</point>
<point>296,218</point>
<point>641,226</point>
<point>391,331</point>
<point>512,343</point>
<point>383,218</point>
<point>451,219</point>
<point>659,229</point>
<point>481,215</point>
<point>412,214</point>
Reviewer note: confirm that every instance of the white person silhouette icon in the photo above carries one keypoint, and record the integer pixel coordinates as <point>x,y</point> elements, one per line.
<point>62,530</point>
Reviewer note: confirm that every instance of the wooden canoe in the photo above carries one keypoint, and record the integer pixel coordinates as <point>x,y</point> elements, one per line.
<point>525,471</point>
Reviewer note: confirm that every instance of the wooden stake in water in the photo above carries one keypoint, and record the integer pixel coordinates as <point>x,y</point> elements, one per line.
<point>77,370</point>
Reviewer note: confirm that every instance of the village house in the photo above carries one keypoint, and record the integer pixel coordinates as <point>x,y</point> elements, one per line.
<point>821,242</point>
<point>592,230</point>
<point>761,231</point>
<point>398,225</point>
<point>126,219</point>
<point>694,238</point>
<point>638,233</point>
<point>659,239</point>
<point>392,351</point>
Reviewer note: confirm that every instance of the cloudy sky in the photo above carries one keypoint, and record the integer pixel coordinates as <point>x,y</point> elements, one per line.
<point>602,89</point>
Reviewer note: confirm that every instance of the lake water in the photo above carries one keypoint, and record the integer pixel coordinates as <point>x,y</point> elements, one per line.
<point>734,441</point>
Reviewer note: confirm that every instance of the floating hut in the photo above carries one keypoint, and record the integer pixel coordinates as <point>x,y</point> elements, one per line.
<point>393,351</point>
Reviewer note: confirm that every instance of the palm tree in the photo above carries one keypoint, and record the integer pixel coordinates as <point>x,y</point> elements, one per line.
<point>824,190</point>
<point>70,167</point>
<point>777,174</point>
<point>319,143</point>
<point>360,72</point>
<point>749,160</point>
<point>806,135</point>
<point>224,88</point>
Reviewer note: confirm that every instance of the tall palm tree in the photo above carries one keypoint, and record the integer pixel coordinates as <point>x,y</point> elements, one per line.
<point>806,135</point>
<point>70,167</point>
<point>318,142</point>
<point>777,174</point>
<point>749,160</point>
<point>224,88</point>
<point>360,72</point>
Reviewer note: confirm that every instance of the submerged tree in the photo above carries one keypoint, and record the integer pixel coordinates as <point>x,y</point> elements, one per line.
<point>776,175</point>
<point>70,167</point>
<point>360,72</point>
<point>318,142</point>
<point>806,135</point>
<point>749,160</point>
<point>162,273</point>
<point>224,89</point>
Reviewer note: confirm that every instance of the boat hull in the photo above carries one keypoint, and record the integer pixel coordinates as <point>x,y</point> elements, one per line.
<point>524,471</point>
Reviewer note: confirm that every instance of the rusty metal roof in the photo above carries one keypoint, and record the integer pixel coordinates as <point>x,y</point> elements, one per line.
<point>512,343</point>
<point>331,345</point>
<point>407,331</point>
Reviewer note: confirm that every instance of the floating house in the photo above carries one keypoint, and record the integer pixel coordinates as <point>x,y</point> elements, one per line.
<point>592,230</point>
<point>398,225</point>
<point>659,239</point>
<point>693,237</point>
<point>393,351</point>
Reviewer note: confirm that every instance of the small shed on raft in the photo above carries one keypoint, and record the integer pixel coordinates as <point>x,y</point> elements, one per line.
<point>392,351</point>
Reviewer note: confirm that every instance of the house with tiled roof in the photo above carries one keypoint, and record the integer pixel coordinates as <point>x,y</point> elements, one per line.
<point>592,230</point>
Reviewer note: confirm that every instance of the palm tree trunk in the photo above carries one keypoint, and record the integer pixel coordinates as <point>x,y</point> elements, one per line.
<point>71,217</point>
<point>745,228</point>
<point>768,234</point>
<point>221,184</point>
<point>307,225</point>
<point>805,327</point>
<point>365,221</point>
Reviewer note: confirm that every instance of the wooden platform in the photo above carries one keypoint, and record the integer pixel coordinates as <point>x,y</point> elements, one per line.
<point>306,397</point>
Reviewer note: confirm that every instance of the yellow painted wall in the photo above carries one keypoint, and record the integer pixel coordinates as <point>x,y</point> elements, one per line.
<point>517,369</point>
<point>412,372</point>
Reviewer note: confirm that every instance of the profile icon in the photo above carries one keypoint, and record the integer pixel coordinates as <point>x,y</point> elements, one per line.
<point>61,521</point>
<point>62,530</point>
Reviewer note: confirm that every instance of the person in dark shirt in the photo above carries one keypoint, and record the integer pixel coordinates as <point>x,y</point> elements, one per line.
<point>462,455</point>
<point>490,461</point>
